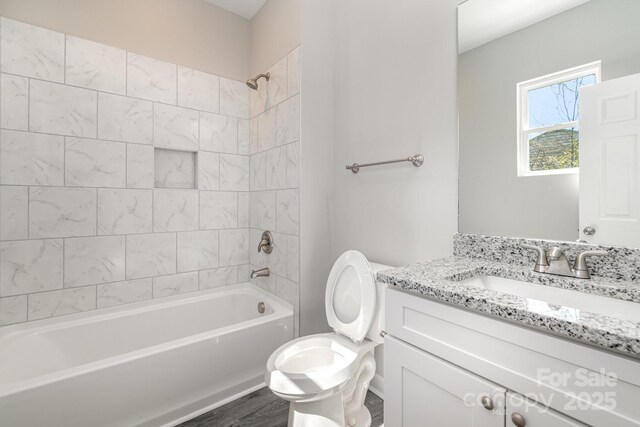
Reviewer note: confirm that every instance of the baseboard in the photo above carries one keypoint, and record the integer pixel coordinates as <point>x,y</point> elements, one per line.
<point>376,386</point>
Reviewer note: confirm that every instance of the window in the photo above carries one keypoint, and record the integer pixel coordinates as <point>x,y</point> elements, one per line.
<point>548,121</point>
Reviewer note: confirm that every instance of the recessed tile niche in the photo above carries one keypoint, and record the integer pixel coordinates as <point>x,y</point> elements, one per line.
<point>175,169</point>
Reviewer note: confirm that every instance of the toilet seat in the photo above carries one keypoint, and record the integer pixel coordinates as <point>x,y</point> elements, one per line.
<point>350,297</point>
<point>314,366</point>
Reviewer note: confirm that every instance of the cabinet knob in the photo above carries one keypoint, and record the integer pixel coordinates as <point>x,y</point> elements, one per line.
<point>487,403</point>
<point>518,420</point>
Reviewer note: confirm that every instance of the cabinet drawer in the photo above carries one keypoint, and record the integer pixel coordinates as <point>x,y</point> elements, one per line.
<point>540,366</point>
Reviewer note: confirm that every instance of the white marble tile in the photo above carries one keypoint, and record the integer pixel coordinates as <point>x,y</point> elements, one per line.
<point>59,303</point>
<point>14,102</point>
<point>175,169</point>
<point>277,168</point>
<point>175,284</point>
<point>95,163</point>
<point>111,294</point>
<point>243,273</point>
<point>197,250</point>
<point>293,72</point>
<point>218,133</point>
<point>253,135</point>
<point>243,137</point>
<point>234,98</point>
<point>13,310</point>
<point>95,66</point>
<point>258,171</point>
<point>243,209</point>
<point>93,260</point>
<point>288,211</point>
<point>28,266</point>
<point>175,127</point>
<point>277,86</point>
<point>198,90</point>
<point>140,166</point>
<point>31,51</point>
<point>124,211</point>
<point>218,210</point>
<point>63,110</point>
<point>253,209</point>
<point>266,210</point>
<point>125,119</point>
<point>288,291</point>
<point>31,159</point>
<point>293,258</point>
<point>218,277</point>
<point>208,171</point>
<point>267,130</point>
<point>234,247</point>
<point>14,212</point>
<point>277,259</point>
<point>151,255</point>
<point>293,165</point>
<point>175,210</point>
<point>151,79</point>
<point>288,121</point>
<point>234,172</point>
<point>61,212</point>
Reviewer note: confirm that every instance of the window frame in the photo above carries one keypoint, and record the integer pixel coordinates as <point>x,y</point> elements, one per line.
<point>523,89</point>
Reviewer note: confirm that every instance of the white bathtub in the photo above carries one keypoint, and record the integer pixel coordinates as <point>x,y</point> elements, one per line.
<point>155,363</point>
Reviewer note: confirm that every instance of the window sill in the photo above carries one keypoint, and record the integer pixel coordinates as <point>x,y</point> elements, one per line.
<point>568,171</point>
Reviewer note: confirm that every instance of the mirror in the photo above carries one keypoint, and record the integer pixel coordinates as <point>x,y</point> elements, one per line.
<point>549,131</point>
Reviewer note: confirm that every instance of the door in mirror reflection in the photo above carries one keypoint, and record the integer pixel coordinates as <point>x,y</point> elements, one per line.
<point>610,163</point>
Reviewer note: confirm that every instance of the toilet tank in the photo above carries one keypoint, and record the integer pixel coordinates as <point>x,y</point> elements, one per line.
<point>377,325</point>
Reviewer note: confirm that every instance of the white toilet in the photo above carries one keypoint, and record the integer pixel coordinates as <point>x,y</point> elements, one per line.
<point>326,376</point>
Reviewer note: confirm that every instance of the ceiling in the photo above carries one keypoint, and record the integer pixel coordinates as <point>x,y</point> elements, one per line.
<point>245,8</point>
<point>482,21</point>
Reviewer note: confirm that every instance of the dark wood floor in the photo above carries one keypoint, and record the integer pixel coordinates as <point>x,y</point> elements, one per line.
<point>264,409</point>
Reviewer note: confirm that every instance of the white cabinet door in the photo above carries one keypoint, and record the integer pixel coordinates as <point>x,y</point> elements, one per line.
<point>610,162</point>
<point>422,390</point>
<point>525,413</point>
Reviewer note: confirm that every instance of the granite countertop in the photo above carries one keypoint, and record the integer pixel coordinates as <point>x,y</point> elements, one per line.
<point>441,280</point>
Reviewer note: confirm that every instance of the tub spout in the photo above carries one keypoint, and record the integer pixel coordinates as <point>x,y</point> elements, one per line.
<point>263,272</point>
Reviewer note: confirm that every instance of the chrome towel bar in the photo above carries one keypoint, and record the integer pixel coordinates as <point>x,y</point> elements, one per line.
<point>417,161</point>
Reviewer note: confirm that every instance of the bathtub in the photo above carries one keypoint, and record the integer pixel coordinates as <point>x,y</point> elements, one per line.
<point>155,363</point>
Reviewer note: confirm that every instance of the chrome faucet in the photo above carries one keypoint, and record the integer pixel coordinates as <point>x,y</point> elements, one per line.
<point>556,262</point>
<point>266,242</point>
<point>263,272</point>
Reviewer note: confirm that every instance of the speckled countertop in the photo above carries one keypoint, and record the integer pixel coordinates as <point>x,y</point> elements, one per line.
<point>441,280</point>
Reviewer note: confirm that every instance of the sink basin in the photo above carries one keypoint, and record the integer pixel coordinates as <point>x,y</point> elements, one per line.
<point>544,297</point>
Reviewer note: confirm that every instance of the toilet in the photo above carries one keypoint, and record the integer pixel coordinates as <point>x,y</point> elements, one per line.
<point>326,376</point>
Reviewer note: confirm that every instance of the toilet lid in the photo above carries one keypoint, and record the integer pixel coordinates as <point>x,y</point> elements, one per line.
<point>350,298</point>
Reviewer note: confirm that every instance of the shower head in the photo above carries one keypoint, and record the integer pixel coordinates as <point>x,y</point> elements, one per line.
<point>253,83</point>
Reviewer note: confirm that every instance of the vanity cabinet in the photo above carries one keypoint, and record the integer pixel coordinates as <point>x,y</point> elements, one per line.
<point>442,360</point>
<point>423,390</point>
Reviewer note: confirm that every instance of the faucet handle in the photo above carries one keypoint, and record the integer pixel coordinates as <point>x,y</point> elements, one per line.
<point>541,262</point>
<point>580,268</point>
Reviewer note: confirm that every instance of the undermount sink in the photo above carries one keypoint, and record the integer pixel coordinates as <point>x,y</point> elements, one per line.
<point>537,294</point>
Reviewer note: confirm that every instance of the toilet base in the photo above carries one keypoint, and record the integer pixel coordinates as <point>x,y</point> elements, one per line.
<point>325,413</point>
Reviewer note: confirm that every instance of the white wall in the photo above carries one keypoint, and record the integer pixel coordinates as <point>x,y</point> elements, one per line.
<point>316,160</point>
<point>395,95</point>
<point>493,200</point>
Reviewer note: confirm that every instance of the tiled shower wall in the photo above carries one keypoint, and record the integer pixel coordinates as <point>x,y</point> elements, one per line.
<point>274,201</point>
<point>82,225</point>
